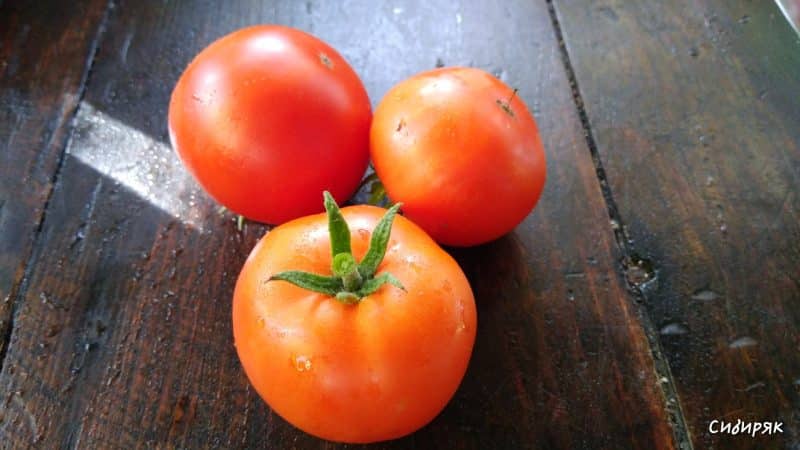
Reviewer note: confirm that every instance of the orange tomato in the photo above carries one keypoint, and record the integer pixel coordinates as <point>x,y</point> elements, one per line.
<point>461,152</point>
<point>372,370</point>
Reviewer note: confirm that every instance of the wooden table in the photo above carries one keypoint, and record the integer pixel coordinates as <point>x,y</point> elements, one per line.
<point>655,288</point>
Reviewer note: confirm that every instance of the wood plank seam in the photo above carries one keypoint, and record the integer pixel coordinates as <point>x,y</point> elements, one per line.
<point>629,261</point>
<point>18,291</point>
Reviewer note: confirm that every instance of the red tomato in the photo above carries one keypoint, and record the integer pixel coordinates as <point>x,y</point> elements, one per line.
<point>268,117</point>
<point>461,152</point>
<point>363,370</point>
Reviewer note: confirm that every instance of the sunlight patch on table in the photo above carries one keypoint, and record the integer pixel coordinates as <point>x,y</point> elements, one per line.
<point>144,165</point>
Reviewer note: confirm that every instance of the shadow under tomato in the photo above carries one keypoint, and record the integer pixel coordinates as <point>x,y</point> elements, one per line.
<point>492,407</point>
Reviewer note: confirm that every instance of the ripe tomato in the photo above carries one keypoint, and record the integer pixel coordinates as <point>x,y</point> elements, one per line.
<point>461,152</point>
<point>341,367</point>
<point>268,117</point>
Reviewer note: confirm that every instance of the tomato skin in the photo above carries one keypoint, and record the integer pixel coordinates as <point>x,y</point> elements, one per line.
<point>466,169</point>
<point>268,117</point>
<point>372,371</point>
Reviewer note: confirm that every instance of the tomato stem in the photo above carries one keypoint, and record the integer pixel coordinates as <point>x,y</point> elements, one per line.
<point>511,97</point>
<point>345,266</point>
<point>351,281</point>
<point>507,104</point>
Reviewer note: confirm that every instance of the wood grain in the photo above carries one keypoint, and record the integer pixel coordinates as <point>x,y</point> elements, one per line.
<point>694,110</point>
<point>45,52</point>
<point>123,334</point>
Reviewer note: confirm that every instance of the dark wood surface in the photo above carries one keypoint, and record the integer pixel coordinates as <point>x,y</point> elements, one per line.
<point>38,100</point>
<point>654,288</point>
<point>697,126</point>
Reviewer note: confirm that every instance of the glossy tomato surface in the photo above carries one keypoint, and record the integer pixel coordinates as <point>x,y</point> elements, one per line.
<point>461,152</point>
<point>364,372</point>
<point>268,117</point>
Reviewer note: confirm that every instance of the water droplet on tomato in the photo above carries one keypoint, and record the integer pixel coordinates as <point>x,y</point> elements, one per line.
<point>302,363</point>
<point>462,323</point>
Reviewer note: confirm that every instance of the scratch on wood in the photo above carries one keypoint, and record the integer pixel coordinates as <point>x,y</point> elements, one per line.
<point>126,45</point>
<point>30,419</point>
<point>88,212</point>
<point>788,200</point>
<point>246,413</point>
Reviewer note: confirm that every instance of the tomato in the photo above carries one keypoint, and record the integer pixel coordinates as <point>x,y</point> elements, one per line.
<point>268,117</point>
<point>461,151</point>
<point>346,367</point>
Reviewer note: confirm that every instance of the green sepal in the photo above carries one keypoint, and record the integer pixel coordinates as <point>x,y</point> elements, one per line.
<point>350,281</point>
<point>311,281</point>
<point>377,194</point>
<point>339,231</point>
<point>378,243</point>
<point>373,284</point>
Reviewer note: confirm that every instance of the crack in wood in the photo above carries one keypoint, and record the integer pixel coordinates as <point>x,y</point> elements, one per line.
<point>19,289</point>
<point>672,400</point>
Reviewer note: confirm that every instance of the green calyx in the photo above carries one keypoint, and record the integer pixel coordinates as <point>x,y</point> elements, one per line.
<point>351,280</point>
